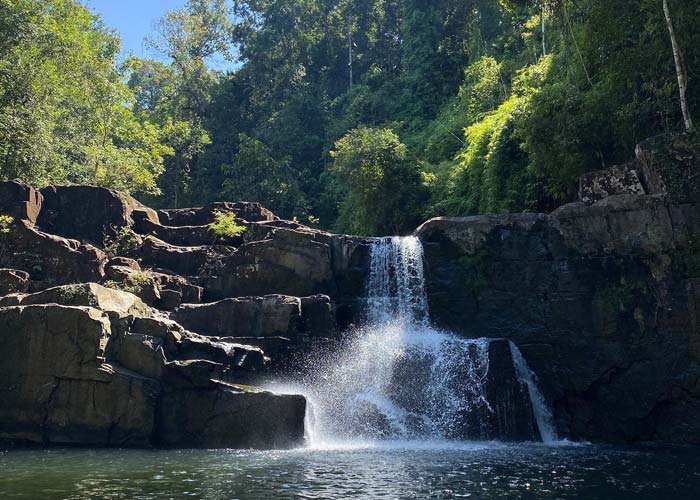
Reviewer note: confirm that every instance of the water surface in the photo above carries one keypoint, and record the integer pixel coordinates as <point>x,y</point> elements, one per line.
<point>390,471</point>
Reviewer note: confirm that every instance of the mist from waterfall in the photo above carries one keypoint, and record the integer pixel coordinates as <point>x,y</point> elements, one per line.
<point>398,378</point>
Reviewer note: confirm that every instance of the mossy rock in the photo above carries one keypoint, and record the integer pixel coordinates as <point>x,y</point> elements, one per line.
<point>670,165</point>
<point>90,295</point>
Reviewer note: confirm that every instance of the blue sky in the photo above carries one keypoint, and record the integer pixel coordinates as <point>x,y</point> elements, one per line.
<point>133,19</point>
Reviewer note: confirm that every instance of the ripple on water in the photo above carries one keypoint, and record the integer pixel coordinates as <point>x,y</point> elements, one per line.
<point>407,470</point>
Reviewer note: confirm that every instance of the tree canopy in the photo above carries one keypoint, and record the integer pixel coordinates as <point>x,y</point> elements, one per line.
<point>357,115</point>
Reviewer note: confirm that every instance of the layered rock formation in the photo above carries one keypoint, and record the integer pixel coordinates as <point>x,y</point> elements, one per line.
<point>100,302</point>
<point>602,297</point>
<point>125,326</point>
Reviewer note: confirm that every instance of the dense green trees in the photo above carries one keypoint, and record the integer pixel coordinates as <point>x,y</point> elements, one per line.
<point>66,114</point>
<point>380,190</point>
<point>357,115</point>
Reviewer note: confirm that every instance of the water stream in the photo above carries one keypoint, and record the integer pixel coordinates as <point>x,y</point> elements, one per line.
<point>398,378</point>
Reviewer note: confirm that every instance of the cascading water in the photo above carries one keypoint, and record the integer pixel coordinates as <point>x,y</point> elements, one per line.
<point>539,406</point>
<point>398,378</point>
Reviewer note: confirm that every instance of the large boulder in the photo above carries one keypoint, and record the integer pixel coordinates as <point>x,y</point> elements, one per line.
<point>185,260</point>
<point>190,293</point>
<point>226,416</point>
<point>90,295</point>
<point>267,316</point>
<point>88,213</point>
<point>19,200</point>
<point>201,216</point>
<point>292,264</point>
<point>601,299</point>
<point>53,388</point>
<point>48,258</point>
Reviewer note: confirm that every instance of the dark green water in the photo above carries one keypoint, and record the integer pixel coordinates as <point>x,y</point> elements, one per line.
<point>392,472</point>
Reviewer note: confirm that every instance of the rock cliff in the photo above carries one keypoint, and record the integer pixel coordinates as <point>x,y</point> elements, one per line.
<point>125,326</point>
<point>602,296</point>
<point>119,329</point>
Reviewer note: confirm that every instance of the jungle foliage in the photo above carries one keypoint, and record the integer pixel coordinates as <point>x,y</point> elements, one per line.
<point>357,115</point>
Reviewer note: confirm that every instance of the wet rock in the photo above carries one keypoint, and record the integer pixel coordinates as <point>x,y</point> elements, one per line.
<point>317,316</point>
<point>237,360</point>
<point>13,281</point>
<point>510,416</point>
<point>230,416</point>
<point>601,299</point>
<point>271,346</point>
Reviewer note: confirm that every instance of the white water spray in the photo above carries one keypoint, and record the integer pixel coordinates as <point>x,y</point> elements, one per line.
<point>398,378</point>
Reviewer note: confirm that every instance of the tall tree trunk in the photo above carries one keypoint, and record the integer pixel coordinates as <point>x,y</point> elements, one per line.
<point>680,68</point>
<point>350,47</point>
<point>544,44</point>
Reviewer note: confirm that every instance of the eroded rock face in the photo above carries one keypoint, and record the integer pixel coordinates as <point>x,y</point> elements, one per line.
<point>601,299</point>
<point>251,212</point>
<point>81,375</point>
<point>185,260</point>
<point>89,295</point>
<point>48,258</point>
<point>13,281</point>
<point>186,235</point>
<point>55,390</point>
<point>88,213</point>
<point>670,164</point>
<point>267,316</point>
<point>20,200</point>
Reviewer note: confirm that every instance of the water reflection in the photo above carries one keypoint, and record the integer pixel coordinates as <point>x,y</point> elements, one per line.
<point>390,471</point>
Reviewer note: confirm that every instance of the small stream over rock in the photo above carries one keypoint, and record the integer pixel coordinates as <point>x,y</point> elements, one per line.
<point>398,378</point>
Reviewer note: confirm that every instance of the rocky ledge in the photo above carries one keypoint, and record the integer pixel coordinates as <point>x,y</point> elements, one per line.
<point>125,326</point>
<point>602,296</point>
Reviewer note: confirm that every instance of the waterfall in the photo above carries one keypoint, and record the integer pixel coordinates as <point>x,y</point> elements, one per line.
<point>397,377</point>
<point>395,288</point>
<point>543,415</point>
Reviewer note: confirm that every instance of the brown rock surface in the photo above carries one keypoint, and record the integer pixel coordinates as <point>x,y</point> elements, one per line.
<point>20,200</point>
